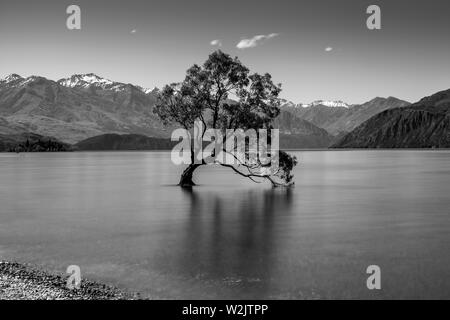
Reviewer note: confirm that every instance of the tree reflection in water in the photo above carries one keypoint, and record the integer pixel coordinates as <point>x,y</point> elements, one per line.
<point>234,239</point>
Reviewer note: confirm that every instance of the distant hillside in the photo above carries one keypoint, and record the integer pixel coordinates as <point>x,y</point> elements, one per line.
<point>124,142</point>
<point>337,119</point>
<point>294,141</point>
<point>357,114</point>
<point>425,124</point>
<point>296,133</point>
<point>30,142</point>
<point>321,116</point>
<point>139,142</point>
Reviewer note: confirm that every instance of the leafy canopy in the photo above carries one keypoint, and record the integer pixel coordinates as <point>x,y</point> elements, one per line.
<point>224,95</point>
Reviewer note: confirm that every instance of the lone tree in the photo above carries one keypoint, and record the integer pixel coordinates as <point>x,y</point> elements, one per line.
<point>224,95</point>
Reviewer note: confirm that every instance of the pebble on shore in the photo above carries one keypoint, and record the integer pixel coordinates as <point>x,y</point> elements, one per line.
<point>23,282</point>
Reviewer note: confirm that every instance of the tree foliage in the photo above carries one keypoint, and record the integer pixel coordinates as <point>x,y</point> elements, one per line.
<point>224,95</point>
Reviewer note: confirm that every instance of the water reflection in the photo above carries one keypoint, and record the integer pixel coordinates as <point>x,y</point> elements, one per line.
<point>235,239</point>
<point>119,216</point>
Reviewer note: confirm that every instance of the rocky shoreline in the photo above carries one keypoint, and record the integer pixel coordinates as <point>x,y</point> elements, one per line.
<point>24,282</point>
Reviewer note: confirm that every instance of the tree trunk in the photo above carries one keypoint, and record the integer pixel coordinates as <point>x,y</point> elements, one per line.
<point>186,176</point>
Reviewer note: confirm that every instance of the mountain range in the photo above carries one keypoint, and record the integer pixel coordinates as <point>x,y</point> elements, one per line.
<point>424,124</point>
<point>76,108</point>
<point>86,105</point>
<point>338,117</point>
<point>120,115</point>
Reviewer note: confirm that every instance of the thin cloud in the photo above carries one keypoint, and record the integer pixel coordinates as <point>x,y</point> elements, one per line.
<point>216,42</point>
<point>255,41</point>
<point>133,31</point>
<point>328,49</point>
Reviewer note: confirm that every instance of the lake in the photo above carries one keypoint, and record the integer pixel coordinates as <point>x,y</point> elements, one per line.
<point>122,219</point>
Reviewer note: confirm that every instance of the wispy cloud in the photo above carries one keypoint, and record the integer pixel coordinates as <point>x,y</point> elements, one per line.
<point>328,49</point>
<point>133,31</point>
<point>255,41</point>
<point>216,42</point>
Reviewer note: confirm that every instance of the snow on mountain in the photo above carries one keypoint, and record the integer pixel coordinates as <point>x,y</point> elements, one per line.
<point>147,90</point>
<point>327,103</point>
<point>82,81</point>
<point>11,78</point>
<point>287,103</point>
<point>14,80</point>
<point>76,108</point>
<point>86,80</point>
<point>92,80</point>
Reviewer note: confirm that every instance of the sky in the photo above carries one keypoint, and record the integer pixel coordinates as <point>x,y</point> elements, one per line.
<point>317,49</point>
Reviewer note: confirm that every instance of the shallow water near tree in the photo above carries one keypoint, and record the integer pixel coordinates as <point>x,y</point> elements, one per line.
<point>123,220</point>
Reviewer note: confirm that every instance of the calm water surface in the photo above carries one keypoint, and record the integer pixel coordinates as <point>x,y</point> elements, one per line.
<point>120,217</point>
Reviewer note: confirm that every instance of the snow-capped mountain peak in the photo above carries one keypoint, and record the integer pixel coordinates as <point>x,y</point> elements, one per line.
<point>327,103</point>
<point>85,80</point>
<point>287,103</point>
<point>92,80</point>
<point>10,78</point>
<point>15,80</point>
<point>148,90</point>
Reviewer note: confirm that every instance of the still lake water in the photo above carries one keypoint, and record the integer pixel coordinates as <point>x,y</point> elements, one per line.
<point>122,219</point>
